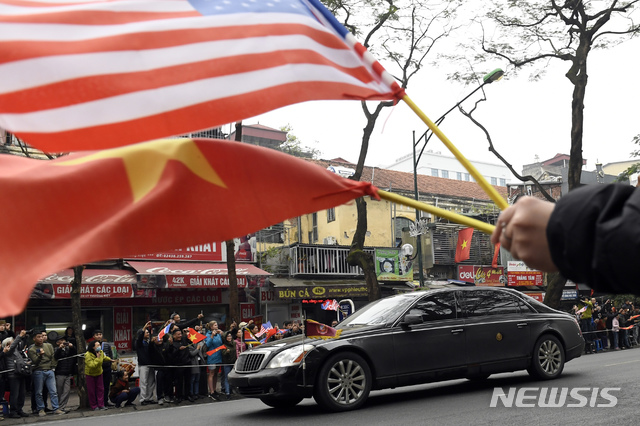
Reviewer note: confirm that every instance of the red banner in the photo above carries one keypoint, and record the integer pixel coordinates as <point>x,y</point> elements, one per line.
<point>122,336</point>
<point>525,278</point>
<point>482,275</point>
<point>92,291</point>
<point>247,311</point>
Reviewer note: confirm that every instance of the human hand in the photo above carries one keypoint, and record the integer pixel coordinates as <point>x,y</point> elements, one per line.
<point>200,316</point>
<point>23,333</point>
<point>522,230</point>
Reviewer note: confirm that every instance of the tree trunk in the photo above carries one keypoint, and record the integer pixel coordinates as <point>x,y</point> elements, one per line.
<point>357,256</point>
<point>76,315</point>
<point>554,290</point>
<point>234,307</point>
<point>577,74</point>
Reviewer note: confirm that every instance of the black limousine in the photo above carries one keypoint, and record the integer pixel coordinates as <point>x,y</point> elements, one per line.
<point>413,338</point>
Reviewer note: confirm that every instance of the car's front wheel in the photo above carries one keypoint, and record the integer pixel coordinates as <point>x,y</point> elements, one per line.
<point>281,402</point>
<point>344,382</point>
<point>547,361</point>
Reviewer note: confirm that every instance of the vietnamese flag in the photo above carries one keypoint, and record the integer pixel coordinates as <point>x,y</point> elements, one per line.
<point>213,351</point>
<point>147,198</point>
<point>496,252</point>
<point>315,330</point>
<point>194,336</point>
<point>463,249</point>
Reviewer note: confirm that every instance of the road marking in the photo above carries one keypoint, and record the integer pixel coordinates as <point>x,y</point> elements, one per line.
<point>620,363</point>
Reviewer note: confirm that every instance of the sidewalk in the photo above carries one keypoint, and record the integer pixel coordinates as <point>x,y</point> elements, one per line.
<point>76,412</point>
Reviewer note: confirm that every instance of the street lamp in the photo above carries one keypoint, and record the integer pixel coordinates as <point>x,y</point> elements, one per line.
<point>489,78</point>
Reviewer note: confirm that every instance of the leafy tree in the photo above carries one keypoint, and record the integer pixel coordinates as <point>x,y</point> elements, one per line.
<point>293,145</point>
<point>636,167</point>
<point>401,34</point>
<point>534,32</point>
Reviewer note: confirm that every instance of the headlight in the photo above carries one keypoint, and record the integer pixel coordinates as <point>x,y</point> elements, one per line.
<point>289,357</point>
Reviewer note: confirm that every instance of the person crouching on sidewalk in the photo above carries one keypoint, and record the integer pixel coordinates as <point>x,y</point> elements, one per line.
<point>120,391</point>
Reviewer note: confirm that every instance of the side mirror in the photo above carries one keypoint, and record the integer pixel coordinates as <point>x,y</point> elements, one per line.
<point>411,319</point>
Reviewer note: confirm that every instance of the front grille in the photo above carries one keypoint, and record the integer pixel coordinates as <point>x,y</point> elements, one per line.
<point>249,362</point>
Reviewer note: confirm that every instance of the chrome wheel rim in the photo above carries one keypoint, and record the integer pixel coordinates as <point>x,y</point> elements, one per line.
<point>549,357</point>
<point>346,382</point>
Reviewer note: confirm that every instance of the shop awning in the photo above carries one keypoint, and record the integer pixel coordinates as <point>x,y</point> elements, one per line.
<point>196,275</point>
<point>286,289</point>
<point>96,284</point>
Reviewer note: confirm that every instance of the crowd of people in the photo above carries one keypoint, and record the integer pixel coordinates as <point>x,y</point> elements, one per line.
<point>606,326</point>
<point>170,366</point>
<point>170,362</point>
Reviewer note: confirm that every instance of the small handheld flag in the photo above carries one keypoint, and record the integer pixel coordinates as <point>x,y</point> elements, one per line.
<point>315,330</point>
<point>194,336</point>
<point>164,331</point>
<point>213,351</point>
<point>249,338</point>
<point>264,328</point>
<point>330,305</point>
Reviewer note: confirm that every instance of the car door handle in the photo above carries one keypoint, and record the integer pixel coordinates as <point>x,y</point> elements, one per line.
<point>522,324</point>
<point>457,330</point>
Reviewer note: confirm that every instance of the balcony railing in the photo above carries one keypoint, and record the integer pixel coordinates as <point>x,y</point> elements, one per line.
<point>322,260</point>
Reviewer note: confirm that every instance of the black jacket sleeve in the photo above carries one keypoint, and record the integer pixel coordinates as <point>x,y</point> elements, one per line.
<point>594,237</point>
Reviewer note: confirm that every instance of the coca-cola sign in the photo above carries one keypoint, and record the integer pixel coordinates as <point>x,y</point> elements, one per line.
<point>92,276</point>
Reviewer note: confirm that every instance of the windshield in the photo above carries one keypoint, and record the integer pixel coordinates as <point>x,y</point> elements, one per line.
<point>383,311</point>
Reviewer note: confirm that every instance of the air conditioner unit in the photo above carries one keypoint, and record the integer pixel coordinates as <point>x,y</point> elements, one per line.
<point>330,241</point>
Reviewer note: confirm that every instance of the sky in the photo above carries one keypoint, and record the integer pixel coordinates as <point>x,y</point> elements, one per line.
<point>525,119</point>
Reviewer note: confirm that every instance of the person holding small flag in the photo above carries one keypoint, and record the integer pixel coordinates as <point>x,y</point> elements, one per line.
<point>197,360</point>
<point>228,359</point>
<point>147,374</point>
<point>179,358</point>
<point>212,342</point>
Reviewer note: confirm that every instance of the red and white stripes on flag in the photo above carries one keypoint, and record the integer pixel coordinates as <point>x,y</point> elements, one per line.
<point>94,74</point>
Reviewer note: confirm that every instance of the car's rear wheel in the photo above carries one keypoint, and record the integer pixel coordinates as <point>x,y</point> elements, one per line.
<point>547,361</point>
<point>281,402</point>
<point>344,382</point>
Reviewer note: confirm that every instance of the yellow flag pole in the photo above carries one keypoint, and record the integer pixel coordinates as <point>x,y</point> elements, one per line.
<point>486,187</point>
<point>454,217</point>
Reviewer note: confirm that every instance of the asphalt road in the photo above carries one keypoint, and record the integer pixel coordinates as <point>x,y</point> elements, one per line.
<point>459,402</point>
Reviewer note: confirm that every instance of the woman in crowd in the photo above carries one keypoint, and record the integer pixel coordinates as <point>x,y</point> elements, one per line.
<point>70,336</point>
<point>228,359</point>
<point>240,345</point>
<point>93,359</point>
<point>197,360</point>
<point>213,341</point>
<point>17,382</point>
<point>120,391</point>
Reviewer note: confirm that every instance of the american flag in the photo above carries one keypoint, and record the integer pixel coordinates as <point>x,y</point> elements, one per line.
<point>264,328</point>
<point>330,305</point>
<point>94,74</point>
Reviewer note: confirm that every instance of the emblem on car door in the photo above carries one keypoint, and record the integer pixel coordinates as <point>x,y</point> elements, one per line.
<point>499,337</point>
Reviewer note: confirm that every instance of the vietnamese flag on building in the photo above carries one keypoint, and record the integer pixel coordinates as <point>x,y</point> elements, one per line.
<point>315,330</point>
<point>463,248</point>
<point>147,198</point>
<point>194,336</point>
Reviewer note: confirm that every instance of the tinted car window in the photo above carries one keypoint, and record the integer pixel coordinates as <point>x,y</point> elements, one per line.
<point>436,307</point>
<point>480,303</point>
<point>383,311</point>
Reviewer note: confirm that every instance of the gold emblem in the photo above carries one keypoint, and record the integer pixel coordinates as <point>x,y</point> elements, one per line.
<point>499,337</point>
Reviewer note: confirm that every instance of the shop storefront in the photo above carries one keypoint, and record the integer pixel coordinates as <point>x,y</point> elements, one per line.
<point>306,297</point>
<point>120,301</point>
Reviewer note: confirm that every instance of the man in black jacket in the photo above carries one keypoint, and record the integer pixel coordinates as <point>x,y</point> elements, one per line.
<point>591,235</point>
<point>66,367</point>
<point>147,374</point>
<point>182,324</point>
<point>180,359</point>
